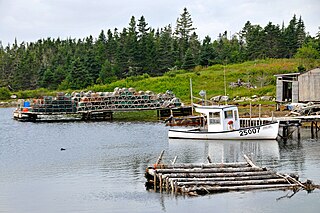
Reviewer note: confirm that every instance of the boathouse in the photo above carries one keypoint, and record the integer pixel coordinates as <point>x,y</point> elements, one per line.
<point>298,87</point>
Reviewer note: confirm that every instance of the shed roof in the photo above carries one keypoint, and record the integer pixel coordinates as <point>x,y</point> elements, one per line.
<point>288,74</point>
<point>313,71</point>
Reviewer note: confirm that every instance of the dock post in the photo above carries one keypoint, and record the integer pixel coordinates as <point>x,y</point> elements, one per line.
<point>285,132</point>
<point>316,128</point>
<point>312,130</point>
<point>155,181</point>
<point>160,182</point>
<point>299,136</point>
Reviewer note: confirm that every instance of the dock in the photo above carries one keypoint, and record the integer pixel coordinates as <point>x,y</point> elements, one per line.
<point>207,178</point>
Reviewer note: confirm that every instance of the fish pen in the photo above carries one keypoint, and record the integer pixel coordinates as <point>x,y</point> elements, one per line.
<point>207,178</point>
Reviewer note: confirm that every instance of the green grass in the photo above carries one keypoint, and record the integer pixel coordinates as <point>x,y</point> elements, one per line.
<point>146,115</point>
<point>210,79</point>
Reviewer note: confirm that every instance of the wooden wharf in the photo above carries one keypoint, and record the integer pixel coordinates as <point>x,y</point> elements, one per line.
<point>200,179</point>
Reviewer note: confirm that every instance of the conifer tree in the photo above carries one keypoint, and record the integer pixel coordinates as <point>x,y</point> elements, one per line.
<point>183,31</point>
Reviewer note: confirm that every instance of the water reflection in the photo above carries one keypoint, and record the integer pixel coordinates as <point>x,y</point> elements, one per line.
<point>224,150</point>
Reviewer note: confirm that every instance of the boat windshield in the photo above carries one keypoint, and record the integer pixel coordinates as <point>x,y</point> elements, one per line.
<point>214,117</point>
<point>228,114</point>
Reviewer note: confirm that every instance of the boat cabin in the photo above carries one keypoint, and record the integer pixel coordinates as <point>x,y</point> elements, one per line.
<point>220,118</point>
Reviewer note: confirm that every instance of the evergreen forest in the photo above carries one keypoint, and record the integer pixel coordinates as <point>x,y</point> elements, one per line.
<point>60,64</point>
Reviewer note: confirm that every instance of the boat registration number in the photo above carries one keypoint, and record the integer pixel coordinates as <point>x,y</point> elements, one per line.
<point>249,131</point>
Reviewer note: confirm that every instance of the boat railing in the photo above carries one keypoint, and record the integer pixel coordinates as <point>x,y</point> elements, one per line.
<point>248,122</point>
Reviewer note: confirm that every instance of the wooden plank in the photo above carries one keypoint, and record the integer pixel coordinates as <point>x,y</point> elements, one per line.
<point>256,177</point>
<point>250,162</point>
<point>211,170</point>
<point>204,165</point>
<point>160,157</point>
<point>235,183</point>
<point>236,188</point>
<point>209,175</point>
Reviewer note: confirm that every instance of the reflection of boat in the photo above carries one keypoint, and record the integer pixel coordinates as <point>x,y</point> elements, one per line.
<point>227,150</point>
<point>223,123</point>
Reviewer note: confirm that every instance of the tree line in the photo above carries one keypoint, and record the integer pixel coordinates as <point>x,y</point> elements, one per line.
<point>141,50</point>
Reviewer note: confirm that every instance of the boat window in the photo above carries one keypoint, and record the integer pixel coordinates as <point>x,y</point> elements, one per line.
<point>235,115</point>
<point>214,117</point>
<point>228,114</point>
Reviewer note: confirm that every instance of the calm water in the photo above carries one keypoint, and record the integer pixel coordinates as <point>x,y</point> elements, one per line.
<point>102,169</point>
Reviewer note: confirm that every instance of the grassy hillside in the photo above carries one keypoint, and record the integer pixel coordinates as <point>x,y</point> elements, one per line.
<point>259,73</point>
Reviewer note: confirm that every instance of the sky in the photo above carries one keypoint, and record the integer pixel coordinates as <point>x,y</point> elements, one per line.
<point>31,20</point>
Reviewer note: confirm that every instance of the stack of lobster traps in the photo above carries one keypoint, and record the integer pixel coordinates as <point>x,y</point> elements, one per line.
<point>123,99</point>
<point>119,99</point>
<point>58,104</point>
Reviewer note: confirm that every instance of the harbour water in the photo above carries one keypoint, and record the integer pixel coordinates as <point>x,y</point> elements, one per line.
<point>102,168</point>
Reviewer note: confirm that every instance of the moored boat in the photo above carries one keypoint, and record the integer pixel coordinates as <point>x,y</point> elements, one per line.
<point>223,122</point>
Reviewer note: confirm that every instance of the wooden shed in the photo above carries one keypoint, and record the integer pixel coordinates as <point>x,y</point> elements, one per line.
<point>309,86</point>
<point>298,87</point>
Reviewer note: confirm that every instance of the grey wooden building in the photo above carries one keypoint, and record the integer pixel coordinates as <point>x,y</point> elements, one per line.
<point>298,87</point>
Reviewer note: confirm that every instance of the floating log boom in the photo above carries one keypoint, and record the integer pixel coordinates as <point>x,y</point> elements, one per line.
<point>195,179</point>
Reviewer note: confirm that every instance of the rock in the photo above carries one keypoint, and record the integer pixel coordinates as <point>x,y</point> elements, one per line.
<point>216,98</point>
<point>266,98</point>
<point>224,98</point>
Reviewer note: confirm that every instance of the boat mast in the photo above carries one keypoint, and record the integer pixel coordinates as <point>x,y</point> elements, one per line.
<point>191,96</point>
<point>225,83</point>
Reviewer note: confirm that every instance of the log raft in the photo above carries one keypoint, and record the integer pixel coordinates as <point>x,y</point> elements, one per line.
<point>199,179</point>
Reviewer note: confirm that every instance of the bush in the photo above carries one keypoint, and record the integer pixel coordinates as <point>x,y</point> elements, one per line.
<point>4,93</point>
<point>38,93</point>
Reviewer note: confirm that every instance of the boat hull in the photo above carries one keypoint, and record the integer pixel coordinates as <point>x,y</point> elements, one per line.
<point>262,132</point>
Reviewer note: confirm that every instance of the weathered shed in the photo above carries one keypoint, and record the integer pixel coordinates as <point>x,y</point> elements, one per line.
<point>299,87</point>
<point>309,86</point>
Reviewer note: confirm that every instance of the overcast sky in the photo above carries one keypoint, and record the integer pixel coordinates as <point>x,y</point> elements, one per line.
<point>30,20</point>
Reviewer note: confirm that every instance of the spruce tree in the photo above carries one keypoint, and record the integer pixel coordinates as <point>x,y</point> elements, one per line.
<point>189,60</point>
<point>184,29</point>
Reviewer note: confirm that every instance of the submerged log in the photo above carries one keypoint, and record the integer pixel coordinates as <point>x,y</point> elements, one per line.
<point>198,189</point>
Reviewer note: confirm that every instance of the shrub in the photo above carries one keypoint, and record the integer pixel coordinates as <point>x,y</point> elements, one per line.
<point>4,93</point>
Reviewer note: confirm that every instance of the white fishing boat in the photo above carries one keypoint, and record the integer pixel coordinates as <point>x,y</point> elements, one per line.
<point>223,123</point>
